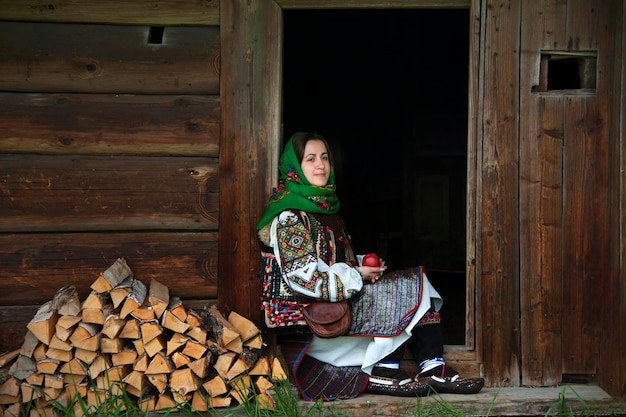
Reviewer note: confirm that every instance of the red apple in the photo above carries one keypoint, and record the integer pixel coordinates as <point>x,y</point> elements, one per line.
<point>371,259</point>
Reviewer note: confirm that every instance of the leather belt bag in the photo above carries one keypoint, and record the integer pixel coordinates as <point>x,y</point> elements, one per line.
<point>327,319</point>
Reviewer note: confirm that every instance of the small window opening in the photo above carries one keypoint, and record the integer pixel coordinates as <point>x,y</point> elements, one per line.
<point>567,71</point>
<point>155,35</point>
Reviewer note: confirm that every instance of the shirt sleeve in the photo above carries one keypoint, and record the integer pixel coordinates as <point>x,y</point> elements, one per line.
<point>303,271</point>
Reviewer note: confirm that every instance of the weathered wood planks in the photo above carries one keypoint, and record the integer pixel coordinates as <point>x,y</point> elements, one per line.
<point>160,12</point>
<point>499,176</point>
<point>35,265</point>
<point>109,124</point>
<point>76,193</point>
<point>47,57</point>
<point>251,134</point>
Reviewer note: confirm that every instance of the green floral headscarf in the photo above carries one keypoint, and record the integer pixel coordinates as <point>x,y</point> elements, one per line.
<point>294,191</point>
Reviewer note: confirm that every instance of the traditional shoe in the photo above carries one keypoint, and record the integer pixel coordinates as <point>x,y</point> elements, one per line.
<point>444,380</point>
<point>395,382</point>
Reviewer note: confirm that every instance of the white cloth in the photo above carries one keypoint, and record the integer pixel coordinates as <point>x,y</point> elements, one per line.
<point>367,351</point>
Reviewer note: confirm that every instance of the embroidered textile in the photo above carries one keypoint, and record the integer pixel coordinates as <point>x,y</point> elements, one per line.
<point>280,307</point>
<point>388,306</point>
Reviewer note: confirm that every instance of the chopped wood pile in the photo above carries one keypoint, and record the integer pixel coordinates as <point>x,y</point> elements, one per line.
<point>125,338</point>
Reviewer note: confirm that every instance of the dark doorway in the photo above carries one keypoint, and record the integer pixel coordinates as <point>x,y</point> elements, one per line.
<point>389,90</point>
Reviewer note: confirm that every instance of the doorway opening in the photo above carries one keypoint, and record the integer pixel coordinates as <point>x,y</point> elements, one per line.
<point>389,90</point>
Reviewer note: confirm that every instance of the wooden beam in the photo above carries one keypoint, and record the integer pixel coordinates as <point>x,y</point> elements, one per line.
<point>499,205</point>
<point>140,12</point>
<point>251,102</point>
<point>89,58</point>
<point>109,124</point>
<point>100,193</point>
<point>34,266</point>
<point>374,4</point>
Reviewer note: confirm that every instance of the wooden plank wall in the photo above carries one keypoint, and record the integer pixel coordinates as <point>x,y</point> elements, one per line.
<point>252,74</point>
<point>567,177</point>
<point>109,147</point>
<point>498,204</point>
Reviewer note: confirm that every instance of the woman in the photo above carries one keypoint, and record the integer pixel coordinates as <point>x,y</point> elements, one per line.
<point>307,256</point>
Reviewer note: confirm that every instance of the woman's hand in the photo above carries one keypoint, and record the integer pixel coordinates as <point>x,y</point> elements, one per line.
<point>372,273</point>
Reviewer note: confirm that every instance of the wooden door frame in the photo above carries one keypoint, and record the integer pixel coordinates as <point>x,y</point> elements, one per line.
<point>251,97</point>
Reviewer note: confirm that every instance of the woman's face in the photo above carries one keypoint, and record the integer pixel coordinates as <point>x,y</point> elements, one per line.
<point>316,163</point>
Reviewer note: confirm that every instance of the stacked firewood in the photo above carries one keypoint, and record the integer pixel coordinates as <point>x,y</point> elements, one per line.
<point>125,340</point>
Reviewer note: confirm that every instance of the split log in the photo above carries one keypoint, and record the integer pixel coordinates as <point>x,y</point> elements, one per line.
<point>112,277</point>
<point>86,336</point>
<point>23,367</point>
<point>10,387</point>
<point>30,344</point>
<point>193,319</point>
<point>165,402</point>
<point>176,343</point>
<point>56,343</point>
<point>8,357</point>
<point>261,367</point>
<point>237,368</point>
<point>223,363</point>
<point>43,323</point>
<point>160,364</point>
<point>198,334</point>
<point>224,332</point>
<point>54,381</point>
<point>159,381</point>
<point>59,355</point>
<point>194,349</point>
<point>126,356</point>
<point>74,367</point>
<point>246,329</point>
<point>184,381</point>
<point>278,370</point>
<point>35,379</point>
<point>113,326</point>
<point>108,345</point>
<point>135,298</point>
<point>144,313</point>
<point>48,366</point>
<point>159,297</point>
<point>155,345</point>
<point>99,365</point>
<point>40,352</point>
<point>180,360</point>
<point>215,386</point>
<point>131,330</point>
<point>119,293</point>
<point>66,301</point>
<point>265,401</point>
<point>65,326</point>
<point>241,389</point>
<point>149,330</point>
<point>147,346</point>
<point>141,364</point>
<point>86,356</point>
<point>177,308</point>
<point>200,367</point>
<point>173,323</point>
<point>136,383</point>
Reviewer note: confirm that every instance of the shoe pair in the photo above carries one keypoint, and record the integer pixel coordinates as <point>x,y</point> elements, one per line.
<point>441,380</point>
<point>445,380</point>
<point>395,382</point>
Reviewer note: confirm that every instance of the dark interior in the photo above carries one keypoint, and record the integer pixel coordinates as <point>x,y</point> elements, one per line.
<point>389,90</point>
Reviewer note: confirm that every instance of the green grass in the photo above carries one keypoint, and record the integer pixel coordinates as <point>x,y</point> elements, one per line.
<point>287,404</point>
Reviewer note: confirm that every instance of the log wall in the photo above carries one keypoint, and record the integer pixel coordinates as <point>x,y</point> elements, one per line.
<point>115,141</point>
<point>110,121</point>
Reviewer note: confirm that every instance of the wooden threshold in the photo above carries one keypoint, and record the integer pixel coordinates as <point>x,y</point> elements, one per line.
<point>578,399</point>
<point>489,402</point>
